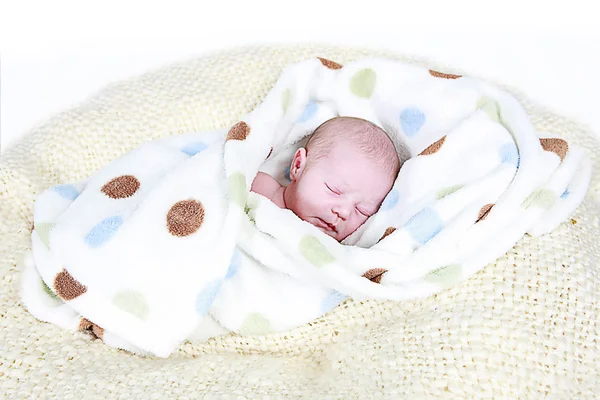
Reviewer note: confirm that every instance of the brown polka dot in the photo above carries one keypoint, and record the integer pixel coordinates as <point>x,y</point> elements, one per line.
<point>89,326</point>
<point>239,131</point>
<point>434,148</point>
<point>375,274</point>
<point>329,64</point>
<point>387,232</point>
<point>557,146</point>
<point>443,75</point>
<point>483,213</point>
<point>185,217</point>
<point>121,187</point>
<point>67,287</point>
<point>270,152</point>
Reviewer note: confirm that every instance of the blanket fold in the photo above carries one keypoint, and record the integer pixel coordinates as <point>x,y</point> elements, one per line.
<point>167,242</point>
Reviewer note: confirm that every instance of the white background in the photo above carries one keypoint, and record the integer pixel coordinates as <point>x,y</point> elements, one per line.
<point>56,54</point>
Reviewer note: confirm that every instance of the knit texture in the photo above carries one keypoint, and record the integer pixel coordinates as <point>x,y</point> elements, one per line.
<point>525,326</point>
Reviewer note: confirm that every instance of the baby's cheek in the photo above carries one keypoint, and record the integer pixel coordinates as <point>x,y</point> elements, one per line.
<point>303,206</point>
<point>351,226</point>
<point>307,201</point>
<point>361,220</point>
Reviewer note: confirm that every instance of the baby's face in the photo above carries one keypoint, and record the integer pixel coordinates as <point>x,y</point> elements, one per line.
<point>339,192</point>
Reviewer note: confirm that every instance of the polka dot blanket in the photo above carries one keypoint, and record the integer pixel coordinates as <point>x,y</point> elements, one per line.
<point>167,242</point>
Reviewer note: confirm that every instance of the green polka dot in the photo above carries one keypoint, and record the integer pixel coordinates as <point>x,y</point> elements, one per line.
<point>43,230</point>
<point>542,198</point>
<point>255,324</point>
<point>48,291</point>
<point>247,212</point>
<point>236,184</point>
<point>447,191</point>
<point>363,82</point>
<point>132,302</point>
<point>445,276</point>
<point>490,107</point>
<point>286,99</point>
<point>314,251</point>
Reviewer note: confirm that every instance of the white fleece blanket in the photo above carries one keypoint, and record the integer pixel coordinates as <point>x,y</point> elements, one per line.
<point>167,242</point>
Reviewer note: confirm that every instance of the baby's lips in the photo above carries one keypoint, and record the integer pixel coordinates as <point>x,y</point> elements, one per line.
<point>333,227</point>
<point>325,225</point>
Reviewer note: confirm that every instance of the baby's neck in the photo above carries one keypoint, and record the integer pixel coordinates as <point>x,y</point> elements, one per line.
<point>278,197</point>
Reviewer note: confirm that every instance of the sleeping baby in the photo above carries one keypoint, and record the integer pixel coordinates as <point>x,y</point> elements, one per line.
<point>339,179</point>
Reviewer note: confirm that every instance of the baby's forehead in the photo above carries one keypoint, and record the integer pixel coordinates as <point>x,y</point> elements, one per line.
<point>354,173</point>
<point>347,153</point>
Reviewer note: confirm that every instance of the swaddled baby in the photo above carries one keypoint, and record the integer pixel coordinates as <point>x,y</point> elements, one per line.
<point>339,179</point>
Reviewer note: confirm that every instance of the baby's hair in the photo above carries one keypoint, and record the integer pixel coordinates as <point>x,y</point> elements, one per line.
<point>370,139</point>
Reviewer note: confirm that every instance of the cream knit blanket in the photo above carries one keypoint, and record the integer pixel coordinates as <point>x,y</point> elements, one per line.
<point>149,245</point>
<point>526,325</point>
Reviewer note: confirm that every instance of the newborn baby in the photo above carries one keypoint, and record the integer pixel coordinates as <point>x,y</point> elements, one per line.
<point>339,179</point>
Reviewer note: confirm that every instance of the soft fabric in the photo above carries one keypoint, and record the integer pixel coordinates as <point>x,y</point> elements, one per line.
<point>149,245</point>
<point>525,325</point>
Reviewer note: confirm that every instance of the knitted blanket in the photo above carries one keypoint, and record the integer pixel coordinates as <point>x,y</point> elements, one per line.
<point>524,326</point>
<point>149,245</point>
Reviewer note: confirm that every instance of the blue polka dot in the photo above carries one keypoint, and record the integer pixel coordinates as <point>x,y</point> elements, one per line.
<point>67,191</point>
<point>565,194</point>
<point>424,225</point>
<point>411,120</point>
<point>331,301</point>
<point>103,231</point>
<point>287,173</point>
<point>309,111</point>
<point>234,265</point>
<point>509,154</point>
<point>206,297</point>
<point>194,148</point>
<point>390,200</point>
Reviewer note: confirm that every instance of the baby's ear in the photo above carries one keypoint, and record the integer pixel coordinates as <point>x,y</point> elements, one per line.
<point>298,164</point>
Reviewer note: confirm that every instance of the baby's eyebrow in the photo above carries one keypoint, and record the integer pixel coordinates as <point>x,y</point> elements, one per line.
<point>341,184</point>
<point>368,205</point>
<point>372,209</point>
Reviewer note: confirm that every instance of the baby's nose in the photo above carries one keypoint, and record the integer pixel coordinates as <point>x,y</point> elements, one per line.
<point>342,211</point>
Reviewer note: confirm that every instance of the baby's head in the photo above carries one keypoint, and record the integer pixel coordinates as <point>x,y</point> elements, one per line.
<point>342,175</point>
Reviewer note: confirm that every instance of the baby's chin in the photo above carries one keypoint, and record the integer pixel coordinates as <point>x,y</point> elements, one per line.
<point>327,231</point>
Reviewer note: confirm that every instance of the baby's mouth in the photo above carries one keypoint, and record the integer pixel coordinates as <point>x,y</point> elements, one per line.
<point>327,225</point>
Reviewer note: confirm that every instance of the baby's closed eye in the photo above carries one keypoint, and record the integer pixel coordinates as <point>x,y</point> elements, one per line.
<point>364,211</point>
<point>332,189</point>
